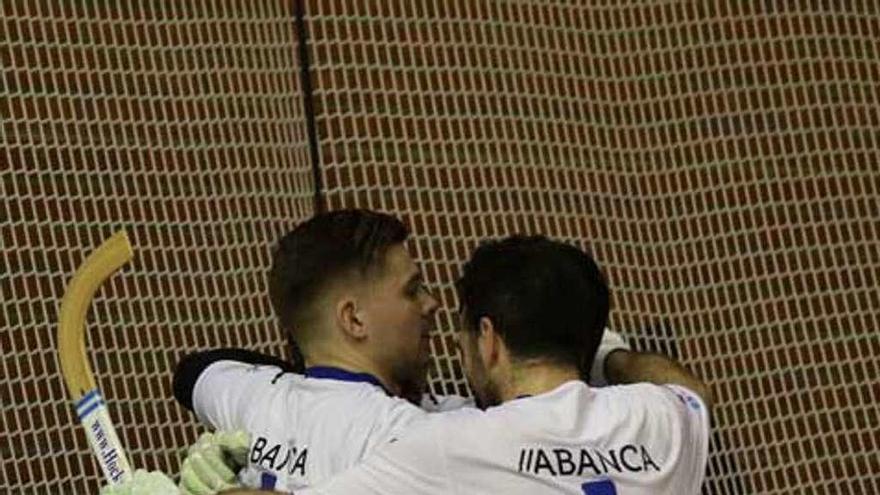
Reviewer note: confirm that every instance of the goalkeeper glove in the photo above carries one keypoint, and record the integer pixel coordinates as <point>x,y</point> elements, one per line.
<point>143,483</point>
<point>212,462</point>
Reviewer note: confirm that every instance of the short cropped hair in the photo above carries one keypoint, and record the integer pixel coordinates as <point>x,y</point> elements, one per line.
<point>545,298</point>
<point>321,250</point>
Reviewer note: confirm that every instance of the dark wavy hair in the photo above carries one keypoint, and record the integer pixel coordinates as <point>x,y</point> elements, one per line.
<point>546,299</point>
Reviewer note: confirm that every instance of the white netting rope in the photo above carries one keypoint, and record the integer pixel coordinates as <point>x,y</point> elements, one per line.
<point>719,160</point>
<point>182,124</point>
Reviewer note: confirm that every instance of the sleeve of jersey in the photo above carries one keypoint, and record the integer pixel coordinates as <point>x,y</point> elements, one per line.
<point>694,415</point>
<point>415,463</point>
<point>189,369</point>
<point>220,386</point>
<point>221,392</point>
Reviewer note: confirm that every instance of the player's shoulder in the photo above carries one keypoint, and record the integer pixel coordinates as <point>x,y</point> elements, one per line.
<point>628,402</point>
<point>236,375</point>
<point>669,409</point>
<point>356,395</point>
<point>361,402</point>
<point>649,395</point>
<point>260,379</point>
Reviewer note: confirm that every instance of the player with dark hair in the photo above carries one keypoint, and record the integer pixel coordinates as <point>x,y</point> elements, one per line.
<point>355,318</point>
<point>532,311</point>
<point>546,302</point>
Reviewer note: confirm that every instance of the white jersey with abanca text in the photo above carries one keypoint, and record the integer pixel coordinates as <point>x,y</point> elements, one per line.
<point>622,440</point>
<point>306,429</point>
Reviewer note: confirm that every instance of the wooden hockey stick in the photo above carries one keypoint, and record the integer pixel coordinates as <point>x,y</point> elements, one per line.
<point>75,368</point>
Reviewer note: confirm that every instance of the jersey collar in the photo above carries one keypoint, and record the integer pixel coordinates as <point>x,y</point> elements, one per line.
<point>334,373</point>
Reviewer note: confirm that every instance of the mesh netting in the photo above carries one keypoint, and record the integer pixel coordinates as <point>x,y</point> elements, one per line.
<point>181,125</point>
<point>721,163</point>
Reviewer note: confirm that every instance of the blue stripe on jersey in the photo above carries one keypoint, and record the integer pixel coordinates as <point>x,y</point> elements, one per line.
<point>333,373</point>
<point>599,487</point>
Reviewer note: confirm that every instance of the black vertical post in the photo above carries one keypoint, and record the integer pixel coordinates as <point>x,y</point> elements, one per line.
<point>309,106</point>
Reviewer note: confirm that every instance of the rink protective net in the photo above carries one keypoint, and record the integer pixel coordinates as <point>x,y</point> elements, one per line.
<point>721,163</point>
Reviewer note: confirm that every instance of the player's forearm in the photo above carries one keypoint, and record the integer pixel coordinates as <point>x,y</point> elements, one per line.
<point>623,367</point>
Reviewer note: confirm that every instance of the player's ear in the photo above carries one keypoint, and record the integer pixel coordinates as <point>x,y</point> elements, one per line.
<point>349,317</point>
<point>488,341</point>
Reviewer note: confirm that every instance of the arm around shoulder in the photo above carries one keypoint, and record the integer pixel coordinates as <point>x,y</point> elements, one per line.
<point>191,367</point>
<point>622,367</point>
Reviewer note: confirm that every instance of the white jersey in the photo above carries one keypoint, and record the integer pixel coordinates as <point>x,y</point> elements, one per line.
<point>303,429</point>
<point>626,440</point>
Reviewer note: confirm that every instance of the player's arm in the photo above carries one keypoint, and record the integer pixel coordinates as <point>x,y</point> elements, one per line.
<point>413,463</point>
<point>219,387</point>
<point>193,366</point>
<point>611,342</point>
<point>622,367</point>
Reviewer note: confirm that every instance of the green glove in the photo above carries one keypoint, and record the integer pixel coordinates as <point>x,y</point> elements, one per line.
<point>212,462</point>
<point>143,483</point>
